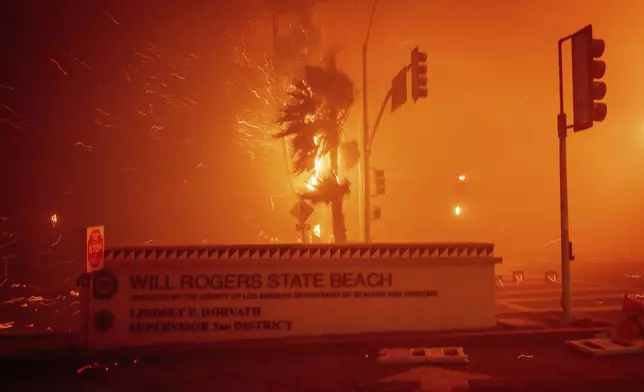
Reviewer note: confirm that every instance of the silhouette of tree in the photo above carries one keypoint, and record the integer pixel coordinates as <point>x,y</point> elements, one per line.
<point>312,121</point>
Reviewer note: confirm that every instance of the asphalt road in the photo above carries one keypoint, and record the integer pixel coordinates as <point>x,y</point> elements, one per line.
<point>597,289</point>
<point>331,366</point>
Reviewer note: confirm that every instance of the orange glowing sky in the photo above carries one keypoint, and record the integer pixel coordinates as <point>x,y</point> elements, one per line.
<point>193,176</point>
<point>491,113</point>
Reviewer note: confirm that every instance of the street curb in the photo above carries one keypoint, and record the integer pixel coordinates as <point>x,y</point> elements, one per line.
<point>367,342</point>
<point>622,384</point>
<point>449,338</point>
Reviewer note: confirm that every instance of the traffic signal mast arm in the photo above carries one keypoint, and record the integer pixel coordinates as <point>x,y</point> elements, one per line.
<point>418,68</point>
<point>374,129</point>
<point>381,112</point>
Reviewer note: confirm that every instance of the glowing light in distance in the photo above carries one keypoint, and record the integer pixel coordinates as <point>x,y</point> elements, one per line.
<point>461,177</point>
<point>54,220</point>
<point>457,211</point>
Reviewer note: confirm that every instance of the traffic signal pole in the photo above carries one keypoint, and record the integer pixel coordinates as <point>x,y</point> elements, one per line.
<point>419,90</point>
<point>562,130</point>
<point>588,91</point>
<point>366,139</point>
<point>366,152</point>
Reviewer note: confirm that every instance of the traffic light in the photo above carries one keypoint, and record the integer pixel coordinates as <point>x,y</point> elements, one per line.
<point>380,181</point>
<point>376,213</point>
<point>587,70</point>
<point>418,74</point>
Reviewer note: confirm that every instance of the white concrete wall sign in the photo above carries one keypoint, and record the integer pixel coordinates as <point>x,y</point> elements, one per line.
<point>145,302</point>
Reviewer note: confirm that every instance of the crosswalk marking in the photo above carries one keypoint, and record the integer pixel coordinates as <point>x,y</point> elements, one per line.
<point>535,295</point>
<point>599,296</point>
<point>577,309</point>
<point>519,293</point>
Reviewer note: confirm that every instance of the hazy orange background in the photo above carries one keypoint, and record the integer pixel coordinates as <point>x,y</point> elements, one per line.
<point>491,114</point>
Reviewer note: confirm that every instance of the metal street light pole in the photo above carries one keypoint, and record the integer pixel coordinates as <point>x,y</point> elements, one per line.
<point>366,139</point>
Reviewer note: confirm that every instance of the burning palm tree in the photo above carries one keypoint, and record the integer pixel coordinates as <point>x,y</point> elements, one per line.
<point>312,120</point>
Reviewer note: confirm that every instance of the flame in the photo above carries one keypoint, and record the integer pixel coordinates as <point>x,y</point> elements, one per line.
<point>457,210</point>
<point>54,220</point>
<point>321,165</point>
<point>7,325</point>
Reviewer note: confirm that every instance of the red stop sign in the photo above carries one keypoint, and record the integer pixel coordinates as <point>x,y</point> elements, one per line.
<point>95,246</point>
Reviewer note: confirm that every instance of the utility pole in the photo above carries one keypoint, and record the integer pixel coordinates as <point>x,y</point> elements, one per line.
<point>280,78</point>
<point>366,139</point>
<point>587,90</point>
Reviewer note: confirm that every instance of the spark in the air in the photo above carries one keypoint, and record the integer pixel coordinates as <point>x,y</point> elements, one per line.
<point>60,237</point>
<point>59,66</point>
<point>12,124</point>
<point>102,124</point>
<point>11,110</point>
<point>267,89</point>
<point>111,18</point>
<point>85,147</point>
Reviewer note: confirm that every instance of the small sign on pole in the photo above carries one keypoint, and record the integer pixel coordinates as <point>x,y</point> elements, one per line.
<point>95,248</point>
<point>301,211</point>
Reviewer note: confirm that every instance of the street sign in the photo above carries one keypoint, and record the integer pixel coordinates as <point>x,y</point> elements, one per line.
<point>301,211</point>
<point>95,248</point>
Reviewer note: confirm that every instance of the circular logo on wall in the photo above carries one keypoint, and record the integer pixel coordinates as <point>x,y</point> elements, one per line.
<point>106,285</point>
<point>103,320</point>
